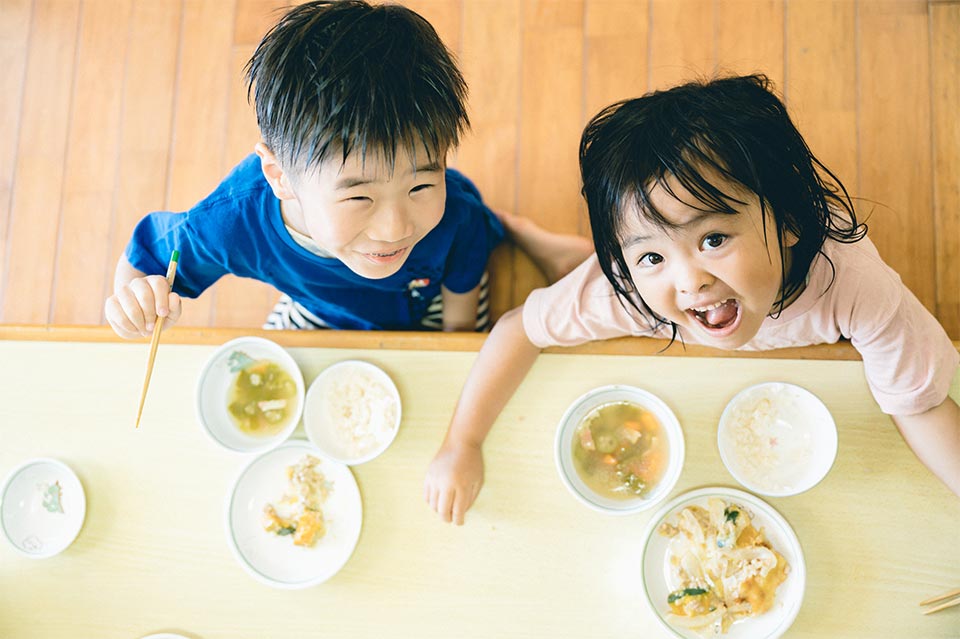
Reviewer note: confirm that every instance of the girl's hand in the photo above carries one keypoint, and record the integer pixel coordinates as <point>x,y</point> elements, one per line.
<point>453,480</point>
<point>134,308</point>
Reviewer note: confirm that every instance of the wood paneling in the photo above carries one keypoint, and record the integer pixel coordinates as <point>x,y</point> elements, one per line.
<point>41,149</point>
<point>682,41</point>
<point>489,154</point>
<point>86,212</point>
<point>14,32</point>
<point>822,89</point>
<point>616,37</point>
<point>750,37</point>
<point>551,118</point>
<point>253,18</point>
<point>145,121</point>
<point>200,124</point>
<point>894,132</point>
<point>945,69</point>
<point>116,108</point>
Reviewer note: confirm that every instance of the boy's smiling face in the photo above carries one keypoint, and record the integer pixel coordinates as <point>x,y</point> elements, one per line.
<point>368,215</point>
<point>715,275</point>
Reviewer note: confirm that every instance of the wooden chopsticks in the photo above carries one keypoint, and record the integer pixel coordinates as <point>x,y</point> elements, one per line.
<point>952,599</point>
<point>155,340</point>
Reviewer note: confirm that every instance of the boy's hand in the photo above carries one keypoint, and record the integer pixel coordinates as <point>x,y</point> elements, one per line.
<point>453,480</point>
<point>134,308</point>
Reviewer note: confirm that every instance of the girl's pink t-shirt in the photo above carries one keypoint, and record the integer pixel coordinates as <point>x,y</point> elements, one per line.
<point>908,358</point>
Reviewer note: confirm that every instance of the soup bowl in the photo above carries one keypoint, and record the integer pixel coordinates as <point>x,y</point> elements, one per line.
<point>566,436</point>
<point>217,380</point>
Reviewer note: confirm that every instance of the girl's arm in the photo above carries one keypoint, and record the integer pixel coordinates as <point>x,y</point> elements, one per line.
<point>460,309</point>
<point>455,475</point>
<point>935,438</point>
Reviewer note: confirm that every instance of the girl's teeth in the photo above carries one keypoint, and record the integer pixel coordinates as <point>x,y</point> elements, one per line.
<point>711,307</point>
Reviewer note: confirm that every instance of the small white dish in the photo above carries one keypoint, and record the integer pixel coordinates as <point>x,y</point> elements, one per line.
<point>166,635</point>
<point>574,416</point>
<point>42,507</point>
<point>352,412</point>
<point>216,381</point>
<point>274,560</point>
<point>777,439</point>
<point>658,579</point>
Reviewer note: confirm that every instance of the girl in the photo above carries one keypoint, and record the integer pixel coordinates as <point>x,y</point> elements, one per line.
<point>713,223</point>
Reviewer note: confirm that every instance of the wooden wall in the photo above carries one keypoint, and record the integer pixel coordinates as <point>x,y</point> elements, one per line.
<point>112,108</point>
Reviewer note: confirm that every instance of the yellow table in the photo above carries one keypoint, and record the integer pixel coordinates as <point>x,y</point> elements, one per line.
<point>879,533</point>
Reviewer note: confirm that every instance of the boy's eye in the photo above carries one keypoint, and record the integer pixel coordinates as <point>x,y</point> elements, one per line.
<point>421,187</point>
<point>359,198</point>
<point>714,240</point>
<point>650,259</point>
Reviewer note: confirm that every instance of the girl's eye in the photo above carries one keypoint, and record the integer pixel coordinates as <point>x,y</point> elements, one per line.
<point>421,187</point>
<point>359,198</point>
<point>714,240</point>
<point>650,259</point>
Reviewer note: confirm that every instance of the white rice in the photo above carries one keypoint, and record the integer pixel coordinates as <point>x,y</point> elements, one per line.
<point>359,411</point>
<point>769,439</point>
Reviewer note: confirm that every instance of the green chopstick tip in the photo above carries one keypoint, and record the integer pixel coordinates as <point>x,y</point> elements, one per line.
<point>176,256</point>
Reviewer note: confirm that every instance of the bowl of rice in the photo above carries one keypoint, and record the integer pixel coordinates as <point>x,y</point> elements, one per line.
<point>352,412</point>
<point>777,439</point>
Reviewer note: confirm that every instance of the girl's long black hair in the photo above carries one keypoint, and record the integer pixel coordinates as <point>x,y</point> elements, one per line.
<point>735,127</point>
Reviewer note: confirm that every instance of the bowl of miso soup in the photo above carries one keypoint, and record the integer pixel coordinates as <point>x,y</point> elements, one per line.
<point>250,395</point>
<point>619,449</point>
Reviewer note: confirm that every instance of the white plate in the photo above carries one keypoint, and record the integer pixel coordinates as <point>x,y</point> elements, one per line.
<point>321,426</point>
<point>574,416</point>
<point>166,635</point>
<point>799,440</point>
<point>213,389</point>
<point>32,521</point>
<point>273,559</point>
<point>656,567</point>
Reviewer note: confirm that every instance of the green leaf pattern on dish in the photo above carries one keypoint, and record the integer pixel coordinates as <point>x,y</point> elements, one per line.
<point>51,497</point>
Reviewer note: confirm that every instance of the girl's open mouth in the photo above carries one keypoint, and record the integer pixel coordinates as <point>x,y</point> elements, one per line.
<point>720,319</point>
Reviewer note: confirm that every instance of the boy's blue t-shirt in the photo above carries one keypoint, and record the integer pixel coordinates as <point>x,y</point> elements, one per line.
<point>239,229</point>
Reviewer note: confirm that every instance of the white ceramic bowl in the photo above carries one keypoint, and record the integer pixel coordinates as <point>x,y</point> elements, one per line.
<point>214,386</point>
<point>345,387</point>
<point>274,560</point>
<point>574,416</point>
<point>777,439</point>
<point>42,507</point>
<point>657,578</point>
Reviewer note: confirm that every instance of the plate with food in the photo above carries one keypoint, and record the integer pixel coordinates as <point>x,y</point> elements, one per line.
<point>619,449</point>
<point>250,395</point>
<point>722,562</point>
<point>293,517</point>
<point>777,439</point>
<point>42,507</point>
<point>352,412</point>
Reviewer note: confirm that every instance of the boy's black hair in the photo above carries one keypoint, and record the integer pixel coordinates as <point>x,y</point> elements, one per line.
<point>343,76</point>
<point>735,127</point>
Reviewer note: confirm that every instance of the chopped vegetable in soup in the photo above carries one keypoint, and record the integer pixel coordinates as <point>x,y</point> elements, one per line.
<point>620,450</point>
<point>262,398</point>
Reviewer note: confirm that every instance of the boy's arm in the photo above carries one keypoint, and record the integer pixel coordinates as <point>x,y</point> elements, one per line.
<point>934,437</point>
<point>460,309</point>
<point>137,300</point>
<point>455,475</point>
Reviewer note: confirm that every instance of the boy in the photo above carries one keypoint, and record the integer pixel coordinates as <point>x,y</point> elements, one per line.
<point>346,206</point>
